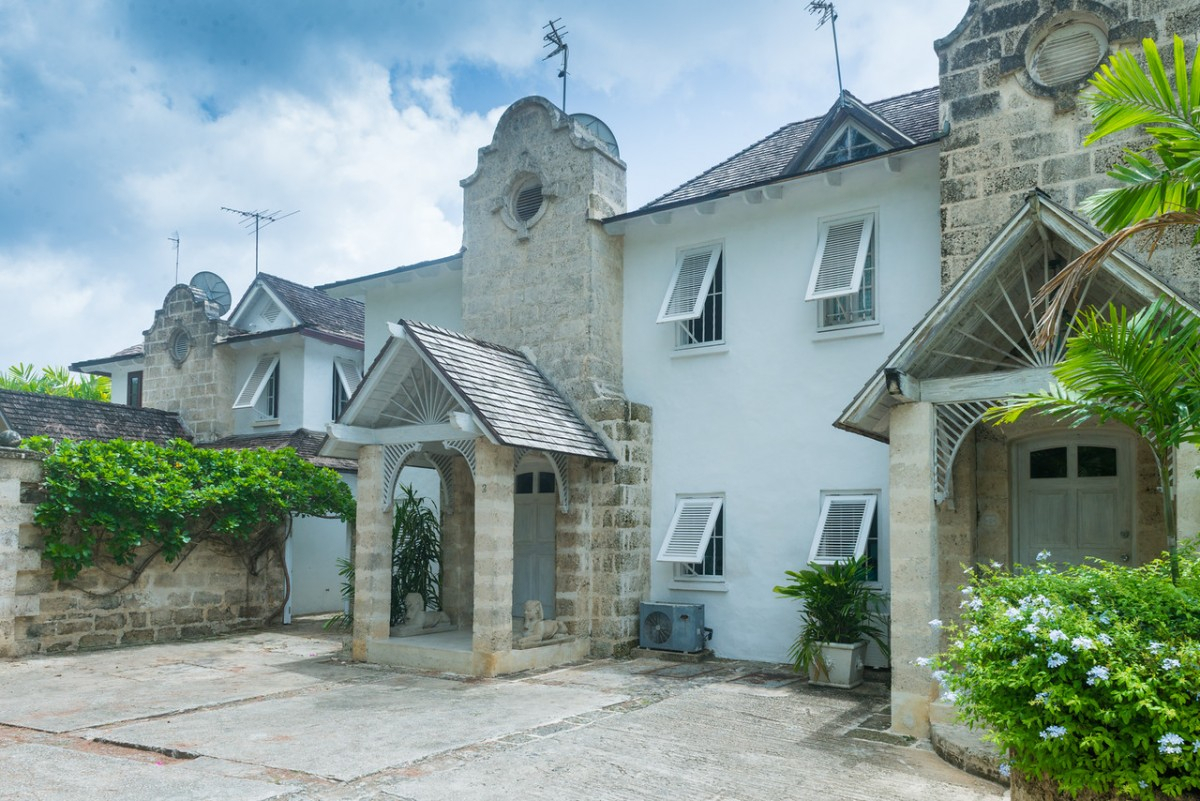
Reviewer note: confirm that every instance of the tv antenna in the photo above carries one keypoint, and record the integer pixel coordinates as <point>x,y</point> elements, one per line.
<point>829,14</point>
<point>555,39</point>
<point>260,220</point>
<point>174,239</point>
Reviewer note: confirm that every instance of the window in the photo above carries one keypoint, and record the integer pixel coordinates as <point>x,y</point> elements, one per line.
<point>695,539</point>
<point>133,389</point>
<point>180,345</point>
<point>1068,54</point>
<point>528,201</point>
<point>346,378</point>
<point>695,297</point>
<point>713,563</point>
<point>845,530</point>
<point>709,327</point>
<point>261,390</point>
<point>849,144</point>
<point>843,276</point>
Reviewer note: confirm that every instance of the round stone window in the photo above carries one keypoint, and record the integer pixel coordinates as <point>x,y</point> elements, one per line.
<point>528,200</point>
<point>180,345</point>
<point>1068,54</point>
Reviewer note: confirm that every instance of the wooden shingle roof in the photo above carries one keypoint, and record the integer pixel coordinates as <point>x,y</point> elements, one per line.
<point>914,114</point>
<point>506,393</point>
<point>31,414</point>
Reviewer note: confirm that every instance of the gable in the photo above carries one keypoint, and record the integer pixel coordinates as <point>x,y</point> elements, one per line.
<point>976,343</point>
<point>849,131</point>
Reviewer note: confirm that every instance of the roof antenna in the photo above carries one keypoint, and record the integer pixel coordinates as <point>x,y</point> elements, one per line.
<point>555,39</point>
<point>175,240</point>
<point>258,218</point>
<point>829,14</point>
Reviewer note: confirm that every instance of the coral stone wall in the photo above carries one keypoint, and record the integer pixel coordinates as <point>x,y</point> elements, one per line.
<point>207,593</point>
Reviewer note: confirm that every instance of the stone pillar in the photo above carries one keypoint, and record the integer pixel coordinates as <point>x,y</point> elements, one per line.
<point>1187,492</point>
<point>372,554</point>
<point>913,526</point>
<point>458,547</point>
<point>491,630</point>
<point>19,471</point>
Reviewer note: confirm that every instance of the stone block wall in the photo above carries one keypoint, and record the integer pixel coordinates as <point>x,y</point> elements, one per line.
<point>208,593</point>
<point>200,386</point>
<point>620,547</point>
<point>1008,134</point>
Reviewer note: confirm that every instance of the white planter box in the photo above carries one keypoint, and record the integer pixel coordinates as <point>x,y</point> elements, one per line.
<point>839,666</point>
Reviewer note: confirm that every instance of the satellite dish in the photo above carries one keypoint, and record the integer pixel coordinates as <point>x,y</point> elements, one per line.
<point>596,127</point>
<point>214,289</point>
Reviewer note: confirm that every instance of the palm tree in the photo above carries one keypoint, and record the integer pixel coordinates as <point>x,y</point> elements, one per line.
<point>1159,186</point>
<point>1142,371</point>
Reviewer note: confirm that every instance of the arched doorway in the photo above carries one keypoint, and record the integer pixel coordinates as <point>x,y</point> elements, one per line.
<point>535,497</point>
<point>1073,497</point>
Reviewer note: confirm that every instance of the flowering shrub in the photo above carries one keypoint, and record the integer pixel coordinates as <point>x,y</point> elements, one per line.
<point>1089,676</point>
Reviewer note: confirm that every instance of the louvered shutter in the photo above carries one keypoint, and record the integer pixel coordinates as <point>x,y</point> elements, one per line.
<point>842,528</point>
<point>841,255</point>
<point>257,381</point>
<point>270,311</point>
<point>690,284</point>
<point>691,529</point>
<point>348,374</point>
<point>1068,55</point>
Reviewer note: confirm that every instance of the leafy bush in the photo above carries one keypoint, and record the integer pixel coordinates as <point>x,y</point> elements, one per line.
<point>840,606</point>
<point>55,381</point>
<point>1088,677</point>
<point>108,499</point>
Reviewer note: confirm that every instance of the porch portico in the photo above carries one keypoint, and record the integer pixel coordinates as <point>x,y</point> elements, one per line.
<point>473,411</point>
<point>962,492</point>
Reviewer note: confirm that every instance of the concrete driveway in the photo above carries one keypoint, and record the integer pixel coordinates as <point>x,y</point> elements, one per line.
<point>281,715</point>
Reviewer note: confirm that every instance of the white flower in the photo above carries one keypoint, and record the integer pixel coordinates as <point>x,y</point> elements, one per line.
<point>1154,647</point>
<point>1042,556</point>
<point>1005,769</point>
<point>1056,660</point>
<point>922,661</point>
<point>1097,674</point>
<point>950,697</point>
<point>1041,698</point>
<point>1170,743</point>
<point>936,623</point>
<point>996,565</point>
<point>1082,644</point>
<point>1053,732</point>
<point>1057,635</point>
<point>1012,613</point>
<point>1104,638</point>
<point>1170,664</point>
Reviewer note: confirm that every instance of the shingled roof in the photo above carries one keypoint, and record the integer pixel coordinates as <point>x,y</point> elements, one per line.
<point>306,443</point>
<point>315,309</point>
<point>507,393</point>
<point>914,114</point>
<point>31,414</point>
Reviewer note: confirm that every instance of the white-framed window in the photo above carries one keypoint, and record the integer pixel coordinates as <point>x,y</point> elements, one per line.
<point>847,528</point>
<point>695,298</point>
<point>691,530</point>
<point>709,327</point>
<point>848,144</point>
<point>346,378</point>
<point>843,278</point>
<point>261,390</point>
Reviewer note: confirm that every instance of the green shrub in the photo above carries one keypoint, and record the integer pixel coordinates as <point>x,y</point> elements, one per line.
<point>1088,676</point>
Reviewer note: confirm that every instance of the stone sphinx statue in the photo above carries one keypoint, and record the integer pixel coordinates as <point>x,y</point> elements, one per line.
<point>418,619</point>
<point>537,628</point>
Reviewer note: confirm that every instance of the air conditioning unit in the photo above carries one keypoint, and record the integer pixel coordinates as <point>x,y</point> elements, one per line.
<point>672,627</point>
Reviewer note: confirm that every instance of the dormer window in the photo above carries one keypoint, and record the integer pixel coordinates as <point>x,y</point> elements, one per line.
<point>848,144</point>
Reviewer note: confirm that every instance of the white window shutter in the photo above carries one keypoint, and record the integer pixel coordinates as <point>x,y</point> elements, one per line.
<point>270,311</point>
<point>257,381</point>
<point>841,255</point>
<point>348,374</point>
<point>842,528</point>
<point>691,529</point>
<point>689,284</point>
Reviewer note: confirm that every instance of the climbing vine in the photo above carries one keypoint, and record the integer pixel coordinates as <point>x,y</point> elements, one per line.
<point>129,502</point>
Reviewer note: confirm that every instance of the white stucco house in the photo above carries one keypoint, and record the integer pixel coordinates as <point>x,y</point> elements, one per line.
<point>784,359</point>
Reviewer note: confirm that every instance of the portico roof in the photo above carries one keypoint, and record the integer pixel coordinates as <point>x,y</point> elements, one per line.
<point>975,344</point>
<point>430,384</point>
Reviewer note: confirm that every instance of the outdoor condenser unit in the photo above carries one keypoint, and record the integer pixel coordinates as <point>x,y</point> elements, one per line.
<point>672,627</point>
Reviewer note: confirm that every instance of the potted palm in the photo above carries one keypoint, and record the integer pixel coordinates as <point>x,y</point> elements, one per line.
<point>842,613</point>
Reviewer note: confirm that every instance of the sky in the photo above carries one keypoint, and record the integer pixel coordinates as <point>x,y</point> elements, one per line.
<point>127,123</point>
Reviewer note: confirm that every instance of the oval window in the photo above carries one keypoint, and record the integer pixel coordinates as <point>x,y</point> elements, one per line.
<point>1068,54</point>
<point>528,201</point>
<point>181,345</point>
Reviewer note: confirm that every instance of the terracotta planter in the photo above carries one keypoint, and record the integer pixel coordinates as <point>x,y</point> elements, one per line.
<point>840,665</point>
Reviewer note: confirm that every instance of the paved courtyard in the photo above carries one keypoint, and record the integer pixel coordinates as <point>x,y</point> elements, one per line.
<point>281,715</point>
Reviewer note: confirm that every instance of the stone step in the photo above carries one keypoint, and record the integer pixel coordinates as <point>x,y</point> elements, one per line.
<point>965,749</point>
